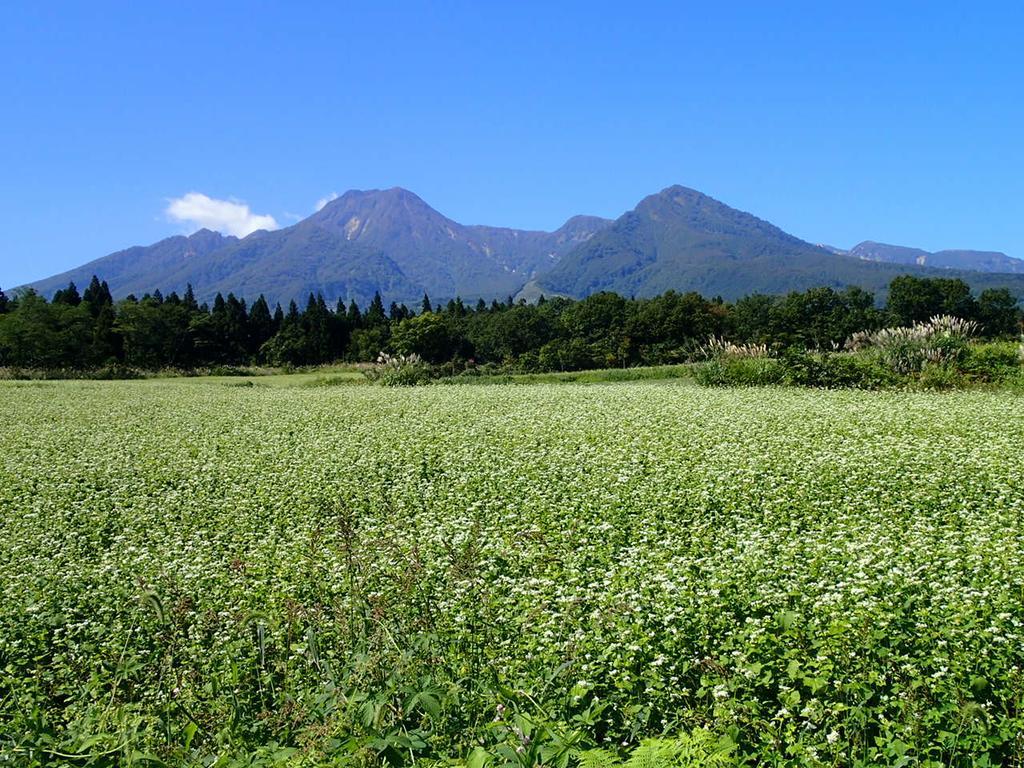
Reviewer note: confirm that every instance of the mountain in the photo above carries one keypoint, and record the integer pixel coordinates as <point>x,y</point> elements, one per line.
<point>979,261</point>
<point>393,242</point>
<point>364,241</point>
<point>141,268</point>
<point>683,240</point>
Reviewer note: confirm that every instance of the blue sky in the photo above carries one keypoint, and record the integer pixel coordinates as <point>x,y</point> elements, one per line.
<point>899,122</point>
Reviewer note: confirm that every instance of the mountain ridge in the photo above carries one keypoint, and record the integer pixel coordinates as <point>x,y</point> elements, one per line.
<point>392,241</point>
<point>953,258</point>
<point>682,239</point>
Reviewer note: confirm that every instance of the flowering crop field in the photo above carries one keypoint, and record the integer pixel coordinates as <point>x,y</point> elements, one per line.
<point>203,574</point>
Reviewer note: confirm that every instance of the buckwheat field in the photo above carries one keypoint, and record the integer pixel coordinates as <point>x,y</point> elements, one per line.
<point>194,573</point>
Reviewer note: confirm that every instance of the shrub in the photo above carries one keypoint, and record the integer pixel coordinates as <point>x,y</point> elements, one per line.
<point>716,347</point>
<point>991,363</point>
<point>856,372</point>
<point>229,370</point>
<point>942,340</point>
<point>835,371</point>
<point>109,372</point>
<point>399,370</point>
<point>938,376</point>
<point>739,372</point>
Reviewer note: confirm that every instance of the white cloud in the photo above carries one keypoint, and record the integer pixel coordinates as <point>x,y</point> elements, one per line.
<point>325,200</point>
<point>229,217</point>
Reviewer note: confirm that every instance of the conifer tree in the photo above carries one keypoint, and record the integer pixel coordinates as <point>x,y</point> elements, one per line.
<point>68,296</point>
<point>354,317</point>
<point>319,331</point>
<point>190,299</point>
<point>338,332</point>
<point>261,325</point>
<point>5,303</point>
<point>97,296</point>
<point>375,315</point>
<point>106,343</point>
<point>425,307</point>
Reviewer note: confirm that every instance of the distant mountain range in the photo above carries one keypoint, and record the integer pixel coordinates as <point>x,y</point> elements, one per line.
<point>393,242</point>
<point>980,261</point>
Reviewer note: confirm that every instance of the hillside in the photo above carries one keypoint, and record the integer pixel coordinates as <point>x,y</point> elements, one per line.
<point>980,261</point>
<point>684,240</point>
<point>365,241</point>
<point>393,242</point>
<point>140,268</point>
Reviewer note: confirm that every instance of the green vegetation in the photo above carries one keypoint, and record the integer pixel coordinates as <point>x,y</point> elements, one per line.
<point>680,238</point>
<point>640,573</point>
<point>937,354</point>
<point>89,335</point>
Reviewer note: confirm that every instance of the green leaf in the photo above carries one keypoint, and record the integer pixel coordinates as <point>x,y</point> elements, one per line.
<point>478,758</point>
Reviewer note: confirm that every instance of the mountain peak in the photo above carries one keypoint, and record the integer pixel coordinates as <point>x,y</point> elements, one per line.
<point>395,201</point>
<point>983,261</point>
<point>392,194</point>
<point>677,196</point>
<point>391,241</point>
<point>205,235</point>
<point>679,191</point>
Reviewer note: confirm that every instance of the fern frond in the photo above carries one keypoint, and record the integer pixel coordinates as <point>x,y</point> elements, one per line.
<point>598,758</point>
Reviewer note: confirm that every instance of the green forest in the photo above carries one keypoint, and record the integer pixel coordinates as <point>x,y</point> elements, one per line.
<point>89,332</point>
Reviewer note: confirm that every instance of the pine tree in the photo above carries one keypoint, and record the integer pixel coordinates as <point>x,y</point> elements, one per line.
<point>261,325</point>
<point>278,317</point>
<point>106,343</point>
<point>425,307</point>
<point>398,312</point>
<point>481,306</point>
<point>320,331</point>
<point>354,317</point>
<point>375,315</point>
<point>97,296</point>
<point>190,299</point>
<point>338,332</point>
<point>68,296</point>
<point>4,302</point>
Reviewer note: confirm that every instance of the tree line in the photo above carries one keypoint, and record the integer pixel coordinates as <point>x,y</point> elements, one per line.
<point>89,330</point>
